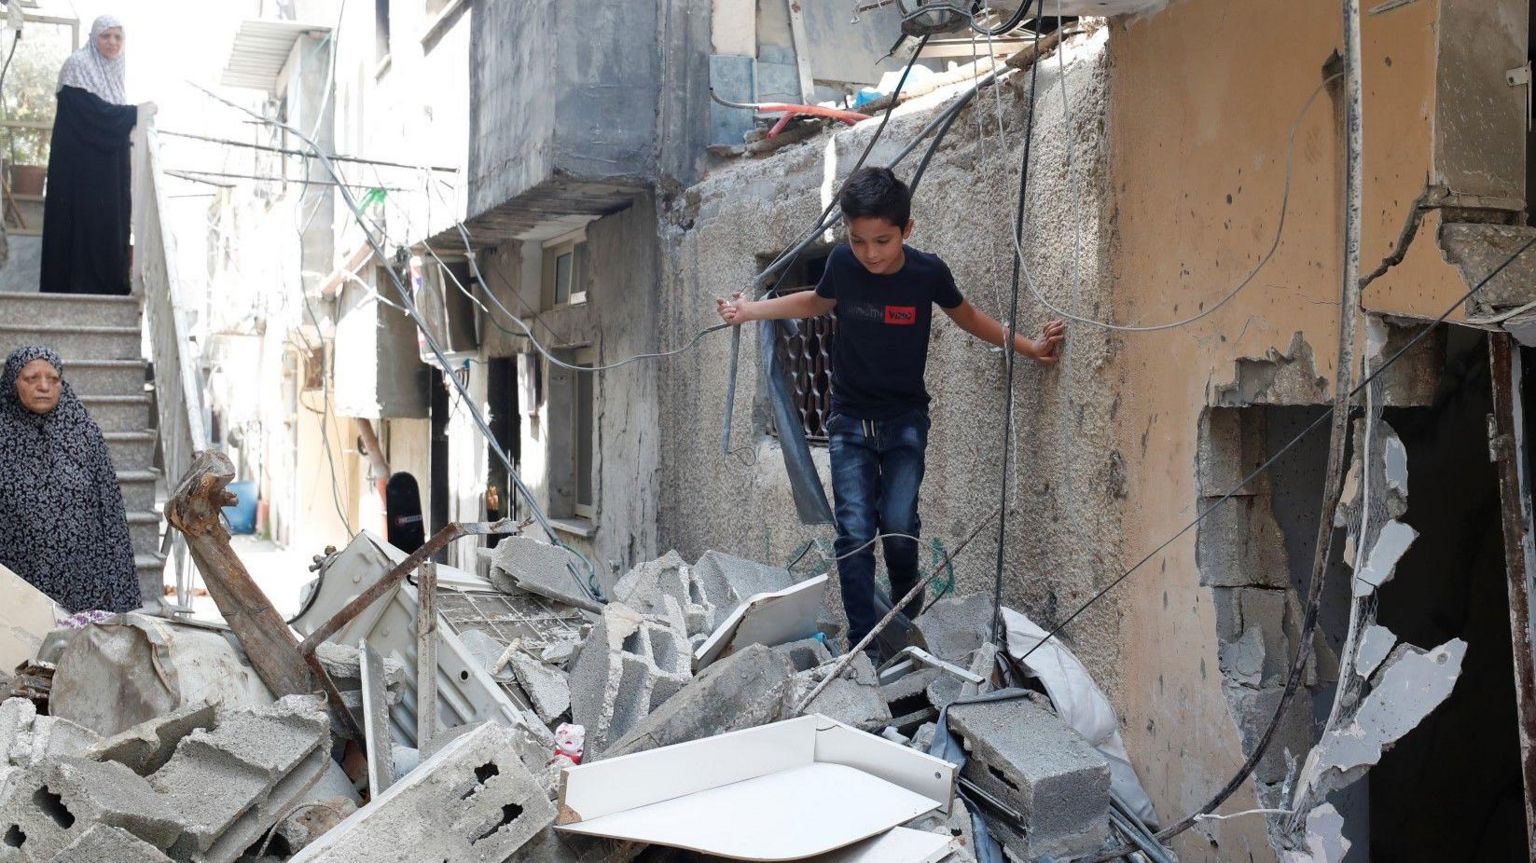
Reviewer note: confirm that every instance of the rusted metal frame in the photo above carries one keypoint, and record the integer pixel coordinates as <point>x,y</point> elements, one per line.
<point>378,589</point>
<point>426,656</point>
<point>1507,449</point>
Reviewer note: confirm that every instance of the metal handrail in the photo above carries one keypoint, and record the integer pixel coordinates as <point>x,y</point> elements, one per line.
<point>180,412</point>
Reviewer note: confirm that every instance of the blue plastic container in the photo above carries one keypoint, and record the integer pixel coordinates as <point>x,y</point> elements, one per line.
<point>242,516</point>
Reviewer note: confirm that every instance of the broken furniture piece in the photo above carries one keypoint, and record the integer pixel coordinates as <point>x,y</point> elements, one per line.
<point>736,795</point>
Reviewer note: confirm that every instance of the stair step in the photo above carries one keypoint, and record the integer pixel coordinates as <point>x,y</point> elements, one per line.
<point>138,487</point>
<point>144,529</point>
<point>119,413</point>
<point>105,377</point>
<point>131,450</point>
<point>43,310</point>
<point>80,342</point>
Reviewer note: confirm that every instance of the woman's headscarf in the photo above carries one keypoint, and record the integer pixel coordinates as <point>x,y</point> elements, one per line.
<point>88,70</point>
<point>62,523</point>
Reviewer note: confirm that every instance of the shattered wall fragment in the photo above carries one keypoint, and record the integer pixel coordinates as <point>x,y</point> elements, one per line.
<point>629,666</point>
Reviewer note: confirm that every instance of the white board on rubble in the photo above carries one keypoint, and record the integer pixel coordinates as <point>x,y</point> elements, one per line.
<point>787,791</point>
<point>773,618</point>
<point>27,615</point>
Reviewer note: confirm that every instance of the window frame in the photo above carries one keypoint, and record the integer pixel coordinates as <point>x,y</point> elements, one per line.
<point>572,244</point>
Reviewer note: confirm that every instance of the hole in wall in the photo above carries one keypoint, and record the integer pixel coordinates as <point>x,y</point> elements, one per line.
<point>14,837</point>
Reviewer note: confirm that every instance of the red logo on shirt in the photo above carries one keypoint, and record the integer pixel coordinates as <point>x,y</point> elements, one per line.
<point>902,316</point>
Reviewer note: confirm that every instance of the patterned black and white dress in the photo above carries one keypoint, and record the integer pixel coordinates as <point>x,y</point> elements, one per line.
<point>62,523</point>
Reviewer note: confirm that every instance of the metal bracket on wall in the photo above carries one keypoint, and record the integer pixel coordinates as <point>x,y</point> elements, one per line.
<point>1520,76</point>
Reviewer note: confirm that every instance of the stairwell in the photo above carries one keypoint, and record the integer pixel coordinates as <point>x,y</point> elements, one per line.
<point>100,340</point>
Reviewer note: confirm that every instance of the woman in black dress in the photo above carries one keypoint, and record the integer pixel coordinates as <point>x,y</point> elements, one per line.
<point>62,522</point>
<point>87,211</point>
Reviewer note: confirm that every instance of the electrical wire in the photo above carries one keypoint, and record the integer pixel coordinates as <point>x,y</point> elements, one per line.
<point>431,341</point>
<point>1009,354</point>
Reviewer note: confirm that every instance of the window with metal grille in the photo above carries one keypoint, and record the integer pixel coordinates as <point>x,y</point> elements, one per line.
<point>806,355</point>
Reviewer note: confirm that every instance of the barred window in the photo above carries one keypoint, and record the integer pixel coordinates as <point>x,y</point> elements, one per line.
<point>806,356</point>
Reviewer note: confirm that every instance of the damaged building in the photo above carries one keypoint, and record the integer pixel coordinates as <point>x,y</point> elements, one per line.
<point>1272,506</point>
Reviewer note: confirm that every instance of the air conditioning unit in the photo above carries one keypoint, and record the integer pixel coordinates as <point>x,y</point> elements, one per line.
<point>442,293</point>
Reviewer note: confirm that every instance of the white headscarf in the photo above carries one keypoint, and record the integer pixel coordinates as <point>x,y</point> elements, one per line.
<point>88,70</point>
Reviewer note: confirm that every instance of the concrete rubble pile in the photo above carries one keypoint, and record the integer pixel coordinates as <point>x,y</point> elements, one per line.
<point>534,674</point>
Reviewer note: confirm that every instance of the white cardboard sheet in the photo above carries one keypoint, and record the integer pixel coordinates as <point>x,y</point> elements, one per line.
<point>766,618</point>
<point>787,791</point>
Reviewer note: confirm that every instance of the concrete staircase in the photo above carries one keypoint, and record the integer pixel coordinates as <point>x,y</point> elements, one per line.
<point>100,339</point>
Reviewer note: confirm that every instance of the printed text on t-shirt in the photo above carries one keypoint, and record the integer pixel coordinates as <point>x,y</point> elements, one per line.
<point>904,316</point>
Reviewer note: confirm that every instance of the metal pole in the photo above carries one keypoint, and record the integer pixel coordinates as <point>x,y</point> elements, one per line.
<point>426,656</point>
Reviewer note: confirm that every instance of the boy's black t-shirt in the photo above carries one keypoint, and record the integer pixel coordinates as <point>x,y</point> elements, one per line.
<point>883,323</point>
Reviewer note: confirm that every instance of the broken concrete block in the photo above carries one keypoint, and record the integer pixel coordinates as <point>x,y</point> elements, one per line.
<point>628,667</point>
<point>729,581</point>
<point>547,687</point>
<point>50,738</point>
<point>853,699</point>
<point>953,628</point>
<point>146,747</point>
<point>46,808</point>
<point>743,690</point>
<point>1023,753</point>
<point>948,688</point>
<point>472,802</point>
<point>103,843</point>
<point>909,692</point>
<point>523,563</point>
<point>643,587</point>
<point>230,784</point>
<point>805,654</point>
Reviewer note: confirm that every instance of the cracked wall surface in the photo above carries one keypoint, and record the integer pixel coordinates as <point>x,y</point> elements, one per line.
<point>1068,480</point>
<point>1198,177</point>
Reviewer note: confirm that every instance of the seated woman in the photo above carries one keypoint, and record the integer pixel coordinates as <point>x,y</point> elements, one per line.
<point>62,523</point>
<point>87,211</point>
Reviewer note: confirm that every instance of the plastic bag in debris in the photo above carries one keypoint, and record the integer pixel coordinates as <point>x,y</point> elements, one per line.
<point>1081,704</point>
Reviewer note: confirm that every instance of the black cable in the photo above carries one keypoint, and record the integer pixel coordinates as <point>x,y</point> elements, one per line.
<point>7,67</point>
<point>998,636</point>
<point>1258,752</point>
<point>1013,21</point>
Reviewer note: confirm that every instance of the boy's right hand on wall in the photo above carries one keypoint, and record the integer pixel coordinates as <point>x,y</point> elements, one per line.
<point>732,311</point>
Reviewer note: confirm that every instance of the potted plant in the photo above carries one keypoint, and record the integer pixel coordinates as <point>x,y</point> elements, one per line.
<point>29,97</point>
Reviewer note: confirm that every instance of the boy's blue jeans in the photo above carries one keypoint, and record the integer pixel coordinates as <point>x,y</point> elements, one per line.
<point>877,468</point>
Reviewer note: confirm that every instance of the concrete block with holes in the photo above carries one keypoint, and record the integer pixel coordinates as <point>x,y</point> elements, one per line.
<point>1024,754</point>
<point>44,809</point>
<point>105,844</point>
<point>229,784</point>
<point>646,587</point>
<point>472,802</point>
<point>629,665</point>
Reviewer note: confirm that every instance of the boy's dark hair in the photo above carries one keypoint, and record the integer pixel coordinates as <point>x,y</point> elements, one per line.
<point>876,192</point>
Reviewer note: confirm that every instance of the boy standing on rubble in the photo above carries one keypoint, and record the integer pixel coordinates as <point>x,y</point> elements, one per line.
<point>884,292</point>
